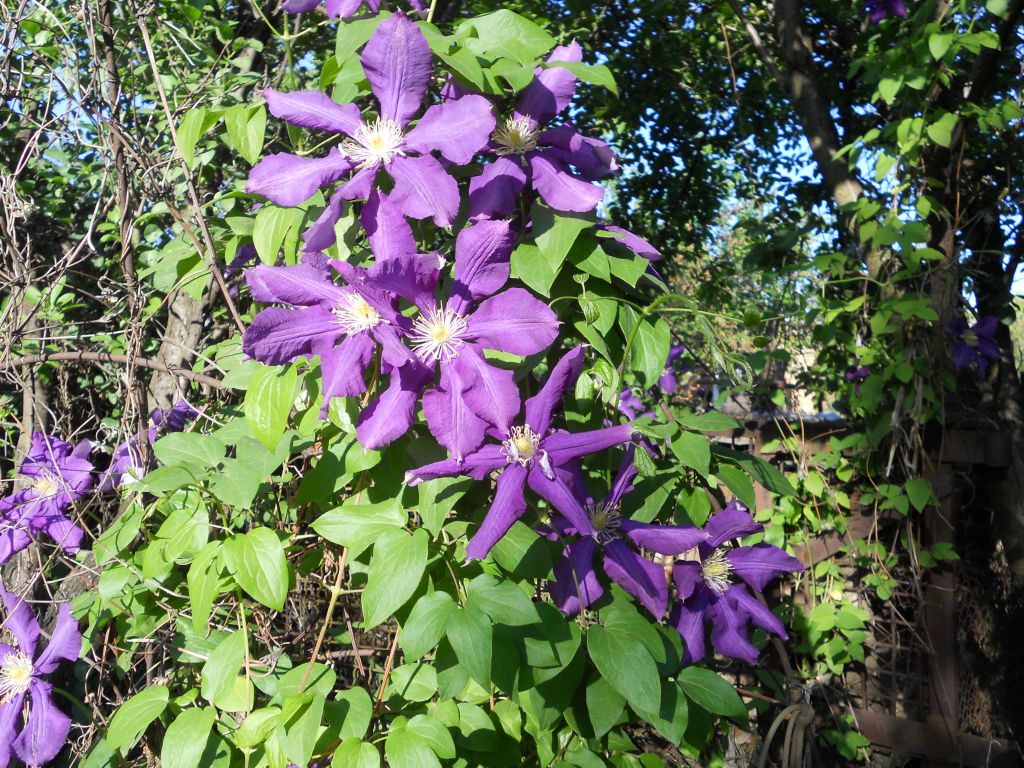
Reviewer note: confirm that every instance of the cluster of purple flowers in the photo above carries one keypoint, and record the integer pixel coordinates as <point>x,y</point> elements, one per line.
<point>881,9</point>
<point>418,332</point>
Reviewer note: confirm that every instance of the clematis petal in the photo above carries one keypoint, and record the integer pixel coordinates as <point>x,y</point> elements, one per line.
<point>733,522</point>
<point>759,564</point>
<point>664,539</point>
<point>637,244</point>
<point>688,618</point>
<point>390,415</point>
<point>508,506</point>
<point>514,321</point>
<point>389,233</point>
<point>289,180</point>
<point>552,89</point>
<point>477,465</point>
<point>343,367</point>
<point>65,642</point>
<point>300,285</point>
<point>730,632</point>
<point>299,6</point>
<point>495,191</point>
<point>758,612</point>
<point>450,419</point>
<point>320,235</point>
<point>491,393</point>
<point>412,277</point>
<point>541,407</point>
<point>313,109</point>
<point>342,9</point>
<point>560,189</point>
<point>563,447</point>
<point>563,499</point>
<point>482,253</point>
<point>13,539</point>
<point>398,65</point>
<point>10,716</point>
<point>360,185</point>
<point>424,189</point>
<point>457,129</point>
<point>65,533</point>
<point>623,483</point>
<point>576,585</point>
<point>20,622</point>
<point>392,350</point>
<point>278,335</point>
<point>46,727</point>
<point>637,575</point>
<point>688,578</point>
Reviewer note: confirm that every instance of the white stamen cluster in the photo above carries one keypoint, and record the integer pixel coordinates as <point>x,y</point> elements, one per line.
<point>970,338</point>
<point>717,571</point>
<point>516,136</point>
<point>606,521</point>
<point>46,485</point>
<point>374,143</point>
<point>355,314</point>
<point>15,676</point>
<point>521,445</point>
<point>439,334</point>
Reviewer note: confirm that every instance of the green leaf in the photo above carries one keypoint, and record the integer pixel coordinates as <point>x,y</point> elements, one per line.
<point>357,526</point>
<point>413,682</point>
<point>554,234</point>
<point>258,563</point>
<point>941,131</point>
<point>919,491</point>
<point>186,738</point>
<point>469,632</point>
<point>189,449</point>
<point>192,126</point>
<point>437,498</point>
<point>221,669</point>
<point>268,401</point>
<point>433,733</point>
<point>738,482</point>
<point>273,224</point>
<point>301,716</point>
<point>938,44</point>
<point>395,571</point>
<point>405,749</point>
<point>355,753</point>
<point>505,34</point>
<point>597,74</point>
<point>246,125</point>
<point>627,665</point>
<point>426,624</point>
<point>204,585</point>
<point>712,421</point>
<point>712,692</point>
<point>358,711</point>
<point>134,716</point>
<point>759,469</point>
<point>693,451</point>
<point>651,342</point>
<point>502,600</point>
<point>604,705</point>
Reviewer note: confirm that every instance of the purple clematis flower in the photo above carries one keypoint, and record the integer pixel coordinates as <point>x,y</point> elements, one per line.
<point>127,458</point>
<point>59,475</point>
<point>707,591</point>
<point>452,336</point>
<point>339,9</point>
<point>880,9</point>
<point>600,524</point>
<point>857,375</point>
<point>37,734</point>
<point>397,62</point>
<point>345,324</point>
<point>976,344</point>
<point>525,454</point>
<point>667,381</point>
<point>545,157</point>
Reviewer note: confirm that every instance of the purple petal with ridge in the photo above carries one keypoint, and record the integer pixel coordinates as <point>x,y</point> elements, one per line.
<point>576,584</point>
<point>343,367</point>
<point>391,414</point>
<point>514,321</point>
<point>482,254</point>
<point>476,465</point>
<point>457,129</point>
<point>563,447</point>
<point>552,89</point>
<point>299,6</point>
<point>640,577</point>
<point>389,233</point>
<point>342,9</point>
<point>664,539</point>
<point>278,335</point>
<point>299,285</point>
<point>491,393</point>
<point>560,189</point>
<point>397,62</point>
<point>541,407</point>
<point>730,632</point>
<point>495,191</point>
<point>65,642</point>
<point>313,109</point>
<point>563,499</point>
<point>320,235</point>
<point>733,522</point>
<point>450,419</point>
<point>10,716</point>
<point>688,578</point>
<point>20,622</point>
<point>289,180</point>
<point>424,189</point>
<point>756,610</point>
<point>46,727</point>
<point>508,506</point>
<point>759,564</point>
<point>688,618</point>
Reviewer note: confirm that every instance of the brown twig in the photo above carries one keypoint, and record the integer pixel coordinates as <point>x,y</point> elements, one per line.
<point>335,591</point>
<point>107,357</point>
<point>387,675</point>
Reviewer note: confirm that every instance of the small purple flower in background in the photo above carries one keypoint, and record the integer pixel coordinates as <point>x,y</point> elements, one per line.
<point>975,344</point>
<point>667,381</point>
<point>631,406</point>
<point>857,375</point>
<point>880,9</point>
<point>339,9</point>
<point>59,475</point>
<point>526,454</point>
<point>707,590</point>
<point>452,336</point>
<point>525,149</point>
<point>592,524</point>
<point>127,458</point>
<point>37,734</point>
<point>397,62</point>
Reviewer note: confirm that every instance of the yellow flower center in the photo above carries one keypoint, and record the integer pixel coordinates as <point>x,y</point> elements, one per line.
<point>438,335</point>
<point>355,314</point>
<point>46,485</point>
<point>717,571</point>
<point>374,143</point>
<point>606,521</point>
<point>970,338</point>
<point>516,136</point>
<point>521,445</point>
<point>15,676</point>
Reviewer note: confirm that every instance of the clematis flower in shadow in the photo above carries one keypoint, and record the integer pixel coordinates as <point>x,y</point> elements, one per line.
<point>707,589</point>
<point>346,324</point>
<point>339,9</point>
<point>667,381</point>
<point>36,734</point>
<point>525,454</point>
<point>452,335</point>
<point>527,152</point>
<point>975,344</point>
<point>857,375</point>
<point>59,475</point>
<point>881,9</point>
<point>600,525</point>
<point>397,62</point>
<point>128,456</point>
